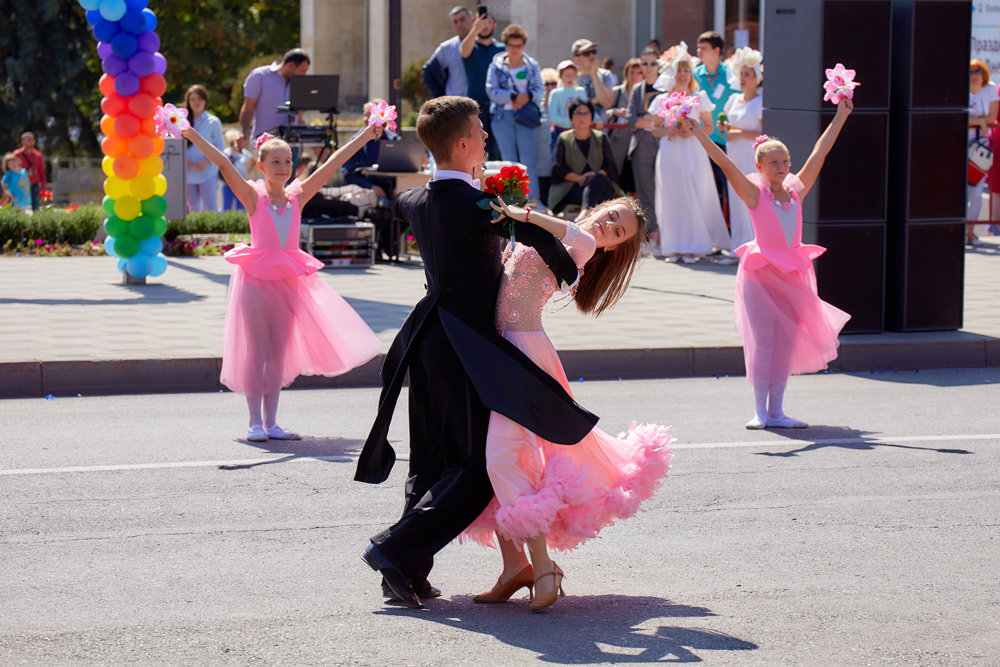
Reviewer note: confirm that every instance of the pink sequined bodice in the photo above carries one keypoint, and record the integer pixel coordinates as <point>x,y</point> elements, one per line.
<point>526,286</point>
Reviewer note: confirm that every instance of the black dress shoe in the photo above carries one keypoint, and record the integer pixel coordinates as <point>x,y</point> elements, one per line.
<point>423,590</point>
<point>391,575</point>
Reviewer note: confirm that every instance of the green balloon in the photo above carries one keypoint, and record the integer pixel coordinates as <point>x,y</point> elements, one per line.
<point>126,245</point>
<point>109,205</point>
<point>154,207</point>
<point>115,226</point>
<point>141,228</point>
<point>159,226</point>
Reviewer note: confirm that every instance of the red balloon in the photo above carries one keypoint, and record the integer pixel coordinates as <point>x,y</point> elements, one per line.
<point>107,126</point>
<point>107,85</point>
<point>147,126</point>
<point>141,146</point>
<point>142,105</point>
<point>125,167</point>
<point>126,125</point>
<point>154,85</point>
<point>114,146</point>
<point>114,104</point>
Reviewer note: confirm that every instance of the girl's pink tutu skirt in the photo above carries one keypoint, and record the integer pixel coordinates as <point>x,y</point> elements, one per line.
<point>786,328</point>
<point>567,492</point>
<point>276,330</point>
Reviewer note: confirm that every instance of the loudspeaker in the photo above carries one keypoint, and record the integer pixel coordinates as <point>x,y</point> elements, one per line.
<point>926,269</point>
<point>852,185</point>
<point>930,54</point>
<point>851,274</point>
<point>927,152</point>
<point>803,38</point>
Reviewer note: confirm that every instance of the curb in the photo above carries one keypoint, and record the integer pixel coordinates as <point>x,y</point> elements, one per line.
<point>34,379</point>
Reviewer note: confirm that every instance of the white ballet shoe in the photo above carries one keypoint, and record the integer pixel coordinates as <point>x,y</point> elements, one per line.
<point>256,433</point>
<point>756,423</point>
<point>277,433</point>
<point>784,421</point>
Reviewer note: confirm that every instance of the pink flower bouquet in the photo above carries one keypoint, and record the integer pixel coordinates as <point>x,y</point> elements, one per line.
<point>170,121</point>
<point>840,84</point>
<point>676,108</point>
<point>382,114</point>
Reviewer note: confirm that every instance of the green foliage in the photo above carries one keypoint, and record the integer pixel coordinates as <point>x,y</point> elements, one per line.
<point>54,225</point>
<point>209,222</point>
<point>414,92</point>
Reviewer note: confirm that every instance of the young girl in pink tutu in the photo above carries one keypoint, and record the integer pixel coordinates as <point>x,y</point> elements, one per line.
<point>786,328</point>
<point>282,320</point>
<point>550,495</point>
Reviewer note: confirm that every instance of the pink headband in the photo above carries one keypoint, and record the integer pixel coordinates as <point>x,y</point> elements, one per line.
<point>761,138</point>
<point>264,137</point>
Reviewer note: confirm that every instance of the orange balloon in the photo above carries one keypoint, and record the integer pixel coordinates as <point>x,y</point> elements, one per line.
<point>154,85</point>
<point>113,145</point>
<point>107,85</point>
<point>127,125</point>
<point>147,126</point>
<point>157,145</point>
<point>142,105</point>
<point>141,146</point>
<point>107,126</point>
<point>126,167</point>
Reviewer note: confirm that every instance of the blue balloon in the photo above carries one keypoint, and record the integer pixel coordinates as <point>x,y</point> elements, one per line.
<point>151,246</point>
<point>159,265</point>
<point>109,246</point>
<point>124,45</point>
<point>150,19</point>
<point>136,4</point>
<point>122,264</point>
<point>113,65</point>
<point>149,42</point>
<point>142,64</point>
<point>133,22</point>
<point>90,5</point>
<point>105,30</point>
<point>93,16</point>
<point>140,265</point>
<point>112,10</point>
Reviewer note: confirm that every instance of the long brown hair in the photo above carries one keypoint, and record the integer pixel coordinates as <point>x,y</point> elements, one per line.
<point>607,274</point>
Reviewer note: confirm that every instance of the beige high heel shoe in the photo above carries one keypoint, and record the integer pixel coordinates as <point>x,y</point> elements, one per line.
<point>502,591</point>
<point>543,602</point>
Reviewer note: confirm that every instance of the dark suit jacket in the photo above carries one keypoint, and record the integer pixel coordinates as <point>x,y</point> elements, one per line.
<point>461,250</point>
<point>642,140</point>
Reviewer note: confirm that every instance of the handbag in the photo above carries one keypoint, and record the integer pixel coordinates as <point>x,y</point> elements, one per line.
<point>529,115</point>
<point>980,159</point>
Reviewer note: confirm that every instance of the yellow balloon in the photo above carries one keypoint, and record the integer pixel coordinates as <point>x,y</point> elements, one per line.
<point>160,185</point>
<point>115,187</point>
<point>141,187</point>
<point>107,165</point>
<point>151,166</point>
<point>128,208</point>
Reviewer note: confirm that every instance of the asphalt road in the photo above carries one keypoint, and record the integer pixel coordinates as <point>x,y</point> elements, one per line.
<point>140,529</point>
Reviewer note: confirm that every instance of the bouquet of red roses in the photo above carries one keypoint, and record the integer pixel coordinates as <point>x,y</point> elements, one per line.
<point>511,185</point>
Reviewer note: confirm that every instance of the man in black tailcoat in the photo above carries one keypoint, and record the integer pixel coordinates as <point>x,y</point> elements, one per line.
<point>459,367</point>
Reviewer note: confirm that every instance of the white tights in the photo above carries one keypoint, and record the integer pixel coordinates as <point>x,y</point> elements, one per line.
<point>270,405</point>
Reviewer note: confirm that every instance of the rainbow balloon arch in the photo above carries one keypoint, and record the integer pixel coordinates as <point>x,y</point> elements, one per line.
<point>132,85</point>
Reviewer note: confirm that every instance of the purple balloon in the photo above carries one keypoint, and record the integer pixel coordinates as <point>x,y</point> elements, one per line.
<point>103,50</point>
<point>126,84</point>
<point>159,63</point>
<point>142,64</point>
<point>124,45</point>
<point>105,30</point>
<point>149,41</point>
<point>136,4</point>
<point>113,65</point>
<point>150,19</point>
<point>133,22</point>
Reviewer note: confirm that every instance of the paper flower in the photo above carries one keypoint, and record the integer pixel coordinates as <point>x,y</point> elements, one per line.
<point>744,57</point>
<point>170,121</point>
<point>840,84</point>
<point>382,114</point>
<point>677,107</point>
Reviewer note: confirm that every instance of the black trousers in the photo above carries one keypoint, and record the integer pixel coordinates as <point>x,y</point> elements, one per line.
<point>599,190</point>
<point>447,486</point>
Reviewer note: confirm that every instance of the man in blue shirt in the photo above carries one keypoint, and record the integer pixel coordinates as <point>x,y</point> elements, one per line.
<point>712,77</point>
<point>478,49</point>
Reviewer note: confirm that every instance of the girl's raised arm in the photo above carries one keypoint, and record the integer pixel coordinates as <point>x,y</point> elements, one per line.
<point>239,185</point>
<point>315,181</point>
<point>810,170</point>
<point>742,185</point>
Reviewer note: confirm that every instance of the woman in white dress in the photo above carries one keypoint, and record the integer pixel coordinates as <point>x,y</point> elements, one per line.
<point>744,122</point>
<point>687,203</point>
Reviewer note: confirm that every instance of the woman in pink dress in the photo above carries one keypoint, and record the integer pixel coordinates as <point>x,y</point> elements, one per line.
<point>282,320</point>
<point>786,328</point>
<point>551,495</point>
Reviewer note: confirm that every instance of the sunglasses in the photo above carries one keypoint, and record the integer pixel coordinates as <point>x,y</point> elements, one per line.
<point>551,84</point>
<point>588,52</point>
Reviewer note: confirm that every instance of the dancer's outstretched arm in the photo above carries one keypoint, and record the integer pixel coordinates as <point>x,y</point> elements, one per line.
<point>810,170</point>
<point>315,180</point>
<point>742,185</point>
<point>242,188</point>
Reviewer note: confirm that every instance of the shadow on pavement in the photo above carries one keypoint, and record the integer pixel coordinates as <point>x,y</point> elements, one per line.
<point>586,629</point>
<point>333,450</point>
<point>145,294</point>
<point>821,437</point>
<point>936,377</point>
